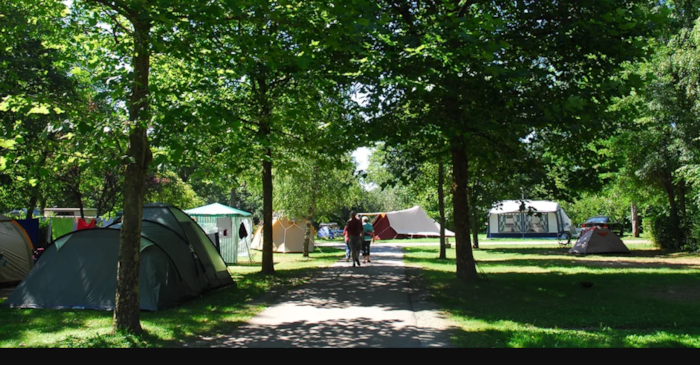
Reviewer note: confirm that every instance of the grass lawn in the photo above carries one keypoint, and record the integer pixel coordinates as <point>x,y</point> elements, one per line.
<point>219,311</point>
<point>531,296</point>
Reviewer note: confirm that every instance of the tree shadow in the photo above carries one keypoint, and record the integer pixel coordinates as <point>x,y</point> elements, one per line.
<point>333,333</point>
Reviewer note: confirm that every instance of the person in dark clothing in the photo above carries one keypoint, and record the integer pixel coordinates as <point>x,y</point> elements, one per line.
<point>355,233</point>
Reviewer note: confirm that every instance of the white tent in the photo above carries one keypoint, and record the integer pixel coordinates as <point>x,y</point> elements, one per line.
<point>407,223</point>
<point>527,218</point>
<point>287,236</point>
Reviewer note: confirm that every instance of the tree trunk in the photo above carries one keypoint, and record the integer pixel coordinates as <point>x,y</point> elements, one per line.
<point>32,202</point>
<point>267,263</point>
<point>42,200</point>
<point>127,303</point>
<point>475,232</point>
<point>79,197</point>
<point>312,211</point>
<point>671,194</point>
<point>441,206</point>
<point>37,188</point>
<point>466,266</point>
<point>635,220</point>
<point>474,220</point>
<point>682,198</point>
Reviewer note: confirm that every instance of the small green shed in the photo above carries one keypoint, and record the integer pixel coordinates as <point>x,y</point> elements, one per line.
<point>226,221</point>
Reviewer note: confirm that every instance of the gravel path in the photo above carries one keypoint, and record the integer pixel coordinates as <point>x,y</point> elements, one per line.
<point>374,305</point>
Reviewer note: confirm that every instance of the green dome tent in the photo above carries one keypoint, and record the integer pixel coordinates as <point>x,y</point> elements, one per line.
<point>79,269</point>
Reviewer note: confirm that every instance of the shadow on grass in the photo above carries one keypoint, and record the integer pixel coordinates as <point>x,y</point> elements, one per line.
<point>554,309</point>
<point>603,338</point>
<point>335,333</point>
<point>218,311</point>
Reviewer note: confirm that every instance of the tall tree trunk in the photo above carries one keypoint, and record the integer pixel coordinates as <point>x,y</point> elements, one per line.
<point>466,266</point>
<point>32,201</point>
<point>42,201</point>
<point>474,220</point>
<point>79,195</point>
<point>441,207</point>
<point>635,220</point>
<point>232,197</point>
<point>475,231</point>
<point>312,211</point>
<point>671,195</point>
<point>682,198</point>
<point>268,266</point>
<point>127,303</point>
<point>37,188</point>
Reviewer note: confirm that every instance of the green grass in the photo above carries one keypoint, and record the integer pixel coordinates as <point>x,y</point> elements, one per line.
<point>530,296</point>
<point>219,311</point>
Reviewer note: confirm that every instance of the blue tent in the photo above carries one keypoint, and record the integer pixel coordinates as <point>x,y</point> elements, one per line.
<point>325,232</point>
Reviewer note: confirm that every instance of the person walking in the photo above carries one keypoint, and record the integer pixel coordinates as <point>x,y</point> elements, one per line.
<point>347,243</point>
<point>355,238</point>
<point>368,236</point>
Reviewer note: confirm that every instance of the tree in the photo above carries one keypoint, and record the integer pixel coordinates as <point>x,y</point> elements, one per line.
<point>501,74</point>
<point>316,187</point>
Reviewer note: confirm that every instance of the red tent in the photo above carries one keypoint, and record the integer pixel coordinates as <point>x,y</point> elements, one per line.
<point>407,223</point>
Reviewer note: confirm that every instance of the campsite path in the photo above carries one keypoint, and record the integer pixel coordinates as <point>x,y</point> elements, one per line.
<point>363,307</point>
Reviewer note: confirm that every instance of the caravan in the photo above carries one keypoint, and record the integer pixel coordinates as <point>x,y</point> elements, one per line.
<point>528,219</point>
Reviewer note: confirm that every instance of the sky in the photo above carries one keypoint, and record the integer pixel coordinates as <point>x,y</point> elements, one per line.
<point>362,157</point>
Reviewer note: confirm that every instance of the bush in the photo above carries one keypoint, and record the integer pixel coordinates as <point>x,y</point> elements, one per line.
<point>681,234</point>
<point>647,226</point>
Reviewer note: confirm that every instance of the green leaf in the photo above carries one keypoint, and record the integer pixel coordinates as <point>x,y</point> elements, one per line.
<point>3,163</point>
<point>42,109</point>
<point>7,143</point>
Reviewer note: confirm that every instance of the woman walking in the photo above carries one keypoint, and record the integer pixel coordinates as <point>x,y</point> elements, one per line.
<point>355,233</point>
<point>367,239</point>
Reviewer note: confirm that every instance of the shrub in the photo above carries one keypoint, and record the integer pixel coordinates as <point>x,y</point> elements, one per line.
<point>676,234</point>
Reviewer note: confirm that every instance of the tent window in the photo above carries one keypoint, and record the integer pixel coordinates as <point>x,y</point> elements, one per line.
<point>509,223</point>
<point>539,223</point>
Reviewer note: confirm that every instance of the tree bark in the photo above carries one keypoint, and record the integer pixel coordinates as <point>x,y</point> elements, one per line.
<point>312,211</point>
<point>466,266</point>
<point>79,195</point>
<point>268,266</point>
<point>682,198</point>
<point>127,300</point>
<point>42,201</point>
<point>37,188</point>
<point>475,232</point>
<point>635,220</point>
<point>441,207</point>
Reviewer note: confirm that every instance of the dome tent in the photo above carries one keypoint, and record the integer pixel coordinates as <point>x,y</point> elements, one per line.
<point>78,270</point>
<point>599,241</point>
<point>16,251</point>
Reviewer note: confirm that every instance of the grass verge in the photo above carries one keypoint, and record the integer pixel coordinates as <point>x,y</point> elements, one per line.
<point>215,313</point>
<point>532,296</point>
